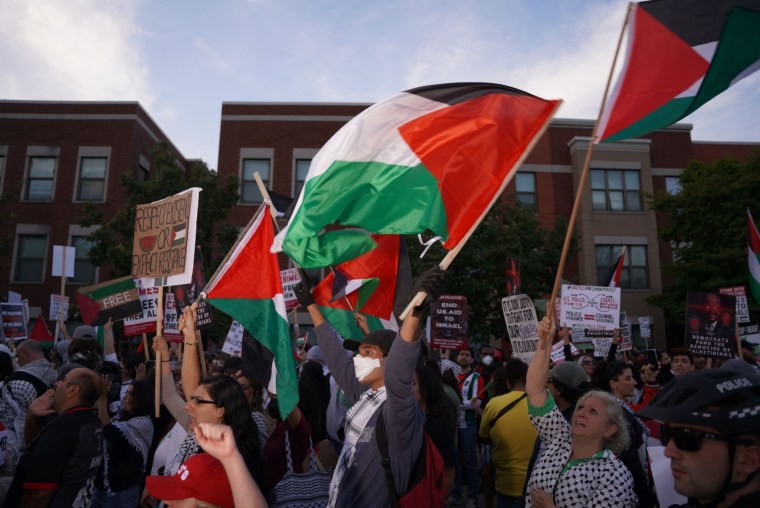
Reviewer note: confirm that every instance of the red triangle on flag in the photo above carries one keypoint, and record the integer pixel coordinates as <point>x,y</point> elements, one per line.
<point>40,331</point>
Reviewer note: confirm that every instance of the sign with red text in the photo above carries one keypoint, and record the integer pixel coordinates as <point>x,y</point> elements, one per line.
<point>144,322</point>
<point>290,278</point>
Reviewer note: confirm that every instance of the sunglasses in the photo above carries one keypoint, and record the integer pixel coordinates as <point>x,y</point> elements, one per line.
<point>197,400</point>
<point>690,440</point>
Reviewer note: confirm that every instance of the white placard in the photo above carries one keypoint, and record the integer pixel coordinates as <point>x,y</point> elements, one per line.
<point>558,351</point>
<point>522,326</point>
<point>233,344</point>
<point>594,307</point>
<point>71,254</point>
<point>55,308</point>
<point>290,278</point>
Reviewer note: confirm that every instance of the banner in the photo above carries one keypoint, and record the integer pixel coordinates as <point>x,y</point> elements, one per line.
<point>55,308</point>
<point>233,344</point>
<point>58,267</point>
<point>186,294</point>
<point>742,307</point>
<point>14,324</point>
<point>522,326</point>
<point>290,278</point>
<point>115,299</point>
<point>448,322</point>
<point>711,324</point>
<point>164,240</point>
<point>146,321</point>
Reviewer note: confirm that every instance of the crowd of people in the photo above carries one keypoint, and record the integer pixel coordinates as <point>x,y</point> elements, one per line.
<point>79,427</point>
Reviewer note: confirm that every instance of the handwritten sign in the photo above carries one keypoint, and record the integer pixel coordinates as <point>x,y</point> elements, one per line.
<point>55,308</point>
<point>233,344</point>
<point>522,325</point>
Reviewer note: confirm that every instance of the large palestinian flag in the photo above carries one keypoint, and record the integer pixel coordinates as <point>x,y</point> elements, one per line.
<point>681,54</point>
<point>432,158</point>
<point>247,287</point>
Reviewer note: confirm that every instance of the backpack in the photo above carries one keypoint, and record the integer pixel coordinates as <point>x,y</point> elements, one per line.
<point>426,485</point>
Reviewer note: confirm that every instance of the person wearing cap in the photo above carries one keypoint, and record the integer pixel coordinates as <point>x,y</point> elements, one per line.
<point>711,432</point>
<point>378,379</point>
<point>60,466</point>
<point>567,382</point>
<point>33,377</point>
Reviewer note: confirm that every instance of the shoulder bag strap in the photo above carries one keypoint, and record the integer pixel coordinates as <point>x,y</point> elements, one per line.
<point>507,408</point>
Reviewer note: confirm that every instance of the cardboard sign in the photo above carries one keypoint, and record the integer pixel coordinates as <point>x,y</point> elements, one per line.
<point>164,240</point>
<point>186,294</point>
<point>233,344</point>
<point>55,308</point>
<point>448,322</point>
<point>58,268</point>
<point>144,322</point>
<point>114,299</point>
<point>14,322</point>
<point>711,324</point>
<point>522,326</point>
<point>742,307</point>
<point>290,278</point>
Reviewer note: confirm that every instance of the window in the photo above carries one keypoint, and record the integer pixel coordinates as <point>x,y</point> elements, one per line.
<point>635,274</point>
<point>525,185</point>
<point>672,184</point>
<point>615,190</point>
<point>249,191</point>
<point>30,258</point>
<point>39,186</point>
<point>92,178</point>
<point>302,169</point>
<point>84,270</point>
<point>2,166</point>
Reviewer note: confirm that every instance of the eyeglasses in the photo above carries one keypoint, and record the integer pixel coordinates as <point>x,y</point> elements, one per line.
<point>690,440</point>
<point>587,362</point>
<point>197,400</point>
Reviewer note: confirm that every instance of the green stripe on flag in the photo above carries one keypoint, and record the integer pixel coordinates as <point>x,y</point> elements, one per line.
<point>658,119</point>
<point>351,193</point>
<point>119,285</point>
<point>344,322</point>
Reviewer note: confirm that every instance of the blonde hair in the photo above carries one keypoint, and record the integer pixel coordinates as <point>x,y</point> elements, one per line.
<point>620,440</point>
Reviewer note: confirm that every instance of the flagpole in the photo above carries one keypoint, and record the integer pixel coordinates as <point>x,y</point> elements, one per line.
<point>63,293</point>
<point>447,260</point>
<point>160,332</point>
<point>584,174</point>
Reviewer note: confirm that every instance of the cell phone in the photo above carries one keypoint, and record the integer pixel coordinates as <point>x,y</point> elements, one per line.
<point>652,357</point>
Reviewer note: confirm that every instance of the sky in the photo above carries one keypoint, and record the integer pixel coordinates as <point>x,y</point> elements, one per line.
<point>181,59</point>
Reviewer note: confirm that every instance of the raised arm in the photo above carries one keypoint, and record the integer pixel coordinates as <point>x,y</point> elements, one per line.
<point>191,367</point>
<point>171,398</point>
<point>109,348</point>
<point>538,370</point>
<point>432,284</point>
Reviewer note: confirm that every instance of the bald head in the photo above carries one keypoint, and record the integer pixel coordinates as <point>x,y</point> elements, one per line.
<point>79,387</point>
<point>29,351</point>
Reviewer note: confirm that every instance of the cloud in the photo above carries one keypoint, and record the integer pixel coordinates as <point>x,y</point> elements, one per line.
<point>73,50</point>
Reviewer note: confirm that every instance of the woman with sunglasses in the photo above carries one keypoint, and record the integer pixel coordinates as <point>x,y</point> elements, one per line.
<point>579,466</point>
<point>711,433</point>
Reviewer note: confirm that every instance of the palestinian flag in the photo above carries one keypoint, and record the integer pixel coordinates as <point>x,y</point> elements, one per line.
<point>753,257</point>
<point>115,299</point>
<point>432,158</point>
<point>247,287</point>
<point>617,270</point>
<point>681,54</point>
<point>40,332</point>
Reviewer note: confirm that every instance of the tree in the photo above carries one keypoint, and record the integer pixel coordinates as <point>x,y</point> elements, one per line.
<point>509,230</point>
<point>706,222</point>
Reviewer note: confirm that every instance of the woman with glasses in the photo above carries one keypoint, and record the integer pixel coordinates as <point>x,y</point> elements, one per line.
<point>579,467</point>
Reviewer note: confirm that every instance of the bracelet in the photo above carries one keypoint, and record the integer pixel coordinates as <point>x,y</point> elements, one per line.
<point>190,343</point>
<point>164,361</point>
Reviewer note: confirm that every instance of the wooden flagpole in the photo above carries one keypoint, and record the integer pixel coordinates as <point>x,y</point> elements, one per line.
<point>447,260</point>
<point>63,295</point>
<point>159,331</point>
<point>584,176</point>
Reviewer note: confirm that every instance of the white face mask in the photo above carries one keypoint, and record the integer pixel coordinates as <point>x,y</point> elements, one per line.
<point>363,365</point>
<point>487,360</point>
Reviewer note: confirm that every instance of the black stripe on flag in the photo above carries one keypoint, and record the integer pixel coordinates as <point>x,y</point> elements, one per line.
<point>454,93</point>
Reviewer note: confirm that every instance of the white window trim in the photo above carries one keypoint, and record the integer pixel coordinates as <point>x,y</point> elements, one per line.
<point>40,151</point>
<point>254,153</point>
<point>30,229</point>
<point>300,153</point>
<point>92,151</point>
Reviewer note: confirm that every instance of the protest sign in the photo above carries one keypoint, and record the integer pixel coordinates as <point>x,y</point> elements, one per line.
<point>171,319</point>
<point>14,323</point>
<point>55,308</point>
<point>558,352</point>
<point>290,278</point>
<point>164,240</point>
<point>625,333</point>
<point>58,254</point>
<point>593,309</point>
<point>522,326</point>
<point>233,344</point>
<point>448,322</point>
<point>144,322</point>
<point>14,297</point>
<point>750,333</point>
<point>710,324</point>
<point>602,347</point>
<point>742,307</point>
<point>186,294</point>
<point>114,299</point>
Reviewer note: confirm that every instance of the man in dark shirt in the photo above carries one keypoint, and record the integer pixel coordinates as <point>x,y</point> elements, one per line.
<point>60,466</point>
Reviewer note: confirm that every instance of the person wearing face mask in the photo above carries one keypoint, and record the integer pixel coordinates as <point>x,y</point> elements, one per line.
<point>378,379</point>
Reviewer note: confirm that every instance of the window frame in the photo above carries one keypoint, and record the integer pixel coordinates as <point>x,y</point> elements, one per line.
<point>254,154</point>
<point>626,280</point>
<point>533,194</point>
<point>30,178</point>
<point>623,190</point>
<point>82,179</point>
<point>26,232</point>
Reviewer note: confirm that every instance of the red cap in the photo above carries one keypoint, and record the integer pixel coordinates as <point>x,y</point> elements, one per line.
<point>201,477</point>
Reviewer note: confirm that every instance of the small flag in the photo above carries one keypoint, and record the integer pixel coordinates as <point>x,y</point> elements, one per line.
<point>40,331</point>
<point>115,299</point>
<point>617,270</point>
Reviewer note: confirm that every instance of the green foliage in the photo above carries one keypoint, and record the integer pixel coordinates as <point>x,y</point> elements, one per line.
<point>509,230</point>
<point>707,221</point>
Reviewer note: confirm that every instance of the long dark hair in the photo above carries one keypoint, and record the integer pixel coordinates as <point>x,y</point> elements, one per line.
<point>431,391</point>
<point>142,400</point>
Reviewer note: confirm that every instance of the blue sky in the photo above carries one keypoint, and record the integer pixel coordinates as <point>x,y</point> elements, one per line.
<point>182,59</point>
